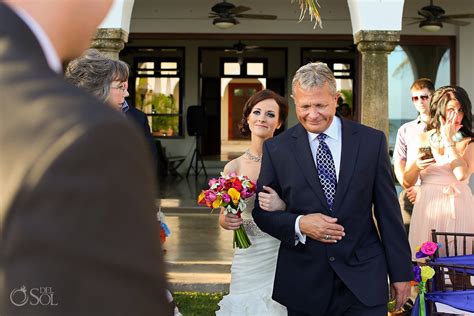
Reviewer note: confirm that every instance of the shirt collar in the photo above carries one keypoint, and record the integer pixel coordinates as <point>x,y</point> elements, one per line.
<point>48,49</point>
<point>125,107</point>
<point>333,131</point>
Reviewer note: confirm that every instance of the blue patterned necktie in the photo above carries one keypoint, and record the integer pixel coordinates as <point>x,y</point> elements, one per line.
<point>326,170</point>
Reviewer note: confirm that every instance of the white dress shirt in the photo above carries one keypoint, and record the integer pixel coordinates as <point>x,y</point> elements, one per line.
<point>48,49</point>
<point>334,142</point>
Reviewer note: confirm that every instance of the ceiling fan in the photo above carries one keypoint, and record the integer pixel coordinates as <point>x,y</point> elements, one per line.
<point>433,18</point>
<point>225,14</point>
<point>240,48</point>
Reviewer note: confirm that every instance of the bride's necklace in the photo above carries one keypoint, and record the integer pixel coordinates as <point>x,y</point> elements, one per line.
<point>252,157</point>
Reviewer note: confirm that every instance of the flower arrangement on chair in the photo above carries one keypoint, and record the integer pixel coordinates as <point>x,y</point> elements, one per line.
<point>423,273</point>
<point>427,249</point>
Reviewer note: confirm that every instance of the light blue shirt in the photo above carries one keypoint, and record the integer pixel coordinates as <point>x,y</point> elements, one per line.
<point>125,107</point>
<point>334,142</point>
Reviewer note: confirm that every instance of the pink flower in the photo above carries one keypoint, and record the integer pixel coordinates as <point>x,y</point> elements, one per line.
<point>429,248</point>
<point>226,198</point>
<point>210,196</point>
<point>246,193</point>
<point>222,182</point>
<point>212,181</point>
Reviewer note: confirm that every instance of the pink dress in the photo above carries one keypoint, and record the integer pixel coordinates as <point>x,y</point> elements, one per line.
<point>443,203</point>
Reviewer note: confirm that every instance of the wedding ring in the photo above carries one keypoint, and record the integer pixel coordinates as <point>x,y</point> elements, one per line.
<point>327,237</point>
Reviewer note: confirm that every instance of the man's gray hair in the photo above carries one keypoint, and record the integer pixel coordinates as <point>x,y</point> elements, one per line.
<point>314,75</point>
<point>94,73</point>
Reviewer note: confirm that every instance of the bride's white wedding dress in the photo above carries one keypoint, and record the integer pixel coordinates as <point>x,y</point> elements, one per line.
<point>252,274</point>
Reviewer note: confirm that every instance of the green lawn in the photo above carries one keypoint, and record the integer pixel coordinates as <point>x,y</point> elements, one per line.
<point>195,303</point>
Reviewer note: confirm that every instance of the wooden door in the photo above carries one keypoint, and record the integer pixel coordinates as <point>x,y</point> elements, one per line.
<point>239,93</point>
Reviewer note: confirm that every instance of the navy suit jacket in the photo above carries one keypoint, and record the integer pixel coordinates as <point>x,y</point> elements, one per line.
<point>363,258</point>
<point>142,122</point>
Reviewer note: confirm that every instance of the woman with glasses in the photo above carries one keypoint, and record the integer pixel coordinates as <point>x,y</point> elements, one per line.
<point>101,76</point>
<point>445,201</point>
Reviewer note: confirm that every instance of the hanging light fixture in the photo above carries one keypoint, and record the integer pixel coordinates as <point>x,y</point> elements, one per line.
<point>431,26</point>
<point>224,22</point>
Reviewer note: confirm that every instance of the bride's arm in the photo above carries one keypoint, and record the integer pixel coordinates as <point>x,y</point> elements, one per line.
<point>270,200</point>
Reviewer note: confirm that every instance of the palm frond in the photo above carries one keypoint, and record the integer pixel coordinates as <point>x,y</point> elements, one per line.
<point>310,6</point>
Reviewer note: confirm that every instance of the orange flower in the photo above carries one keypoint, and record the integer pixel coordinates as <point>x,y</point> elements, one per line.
<point>201,198</point>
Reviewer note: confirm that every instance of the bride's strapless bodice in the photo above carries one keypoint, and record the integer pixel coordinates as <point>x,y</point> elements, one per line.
<point>249,225</point>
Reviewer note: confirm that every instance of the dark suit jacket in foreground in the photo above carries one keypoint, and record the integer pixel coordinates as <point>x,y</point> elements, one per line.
<point>68,220</point>
<point>304,276</point>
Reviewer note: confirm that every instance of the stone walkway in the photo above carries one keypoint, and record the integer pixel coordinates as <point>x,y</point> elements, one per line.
<point>198,252</point>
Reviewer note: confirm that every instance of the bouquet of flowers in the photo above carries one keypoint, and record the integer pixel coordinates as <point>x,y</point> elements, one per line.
<point>230,192</point>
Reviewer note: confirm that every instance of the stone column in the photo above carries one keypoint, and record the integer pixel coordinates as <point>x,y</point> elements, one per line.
<point>375,47</point>
<point>110,41</point>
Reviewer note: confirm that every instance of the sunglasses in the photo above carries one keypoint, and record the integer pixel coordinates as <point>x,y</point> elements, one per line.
<point>422,97</point>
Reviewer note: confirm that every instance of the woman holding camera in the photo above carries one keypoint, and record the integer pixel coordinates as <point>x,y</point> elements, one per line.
<point>445,201</point>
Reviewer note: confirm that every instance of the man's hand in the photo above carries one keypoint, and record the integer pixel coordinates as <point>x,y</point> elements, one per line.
<point>411,194</point>
<point>401,292</point>
<point>321,228</point>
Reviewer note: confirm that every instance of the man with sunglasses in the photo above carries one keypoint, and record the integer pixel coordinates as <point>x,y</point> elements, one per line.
<point>406,144</point>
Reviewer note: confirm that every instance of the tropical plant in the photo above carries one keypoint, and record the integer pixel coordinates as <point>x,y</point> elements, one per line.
<point>347,96</point>
<point>310,6</point>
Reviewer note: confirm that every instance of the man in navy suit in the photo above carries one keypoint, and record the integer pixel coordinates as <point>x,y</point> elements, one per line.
<point>342,231</point>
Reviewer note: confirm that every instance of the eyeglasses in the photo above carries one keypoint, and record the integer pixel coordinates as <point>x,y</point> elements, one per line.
<point>422,97</point>
<point>119,88</point>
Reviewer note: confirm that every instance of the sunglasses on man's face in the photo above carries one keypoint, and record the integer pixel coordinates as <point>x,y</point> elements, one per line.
<point>422,97</point>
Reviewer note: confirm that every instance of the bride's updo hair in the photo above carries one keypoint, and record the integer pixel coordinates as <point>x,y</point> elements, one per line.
<point>258,97</point>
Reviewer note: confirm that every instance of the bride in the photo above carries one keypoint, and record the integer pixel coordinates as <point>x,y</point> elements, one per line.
<point>253,269</point>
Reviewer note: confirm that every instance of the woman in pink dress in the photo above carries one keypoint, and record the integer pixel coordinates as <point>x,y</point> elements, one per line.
<point>445,201</point>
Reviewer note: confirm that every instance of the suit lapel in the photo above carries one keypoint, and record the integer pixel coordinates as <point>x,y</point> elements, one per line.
<point>349,154</point>
<point>305,160</point>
